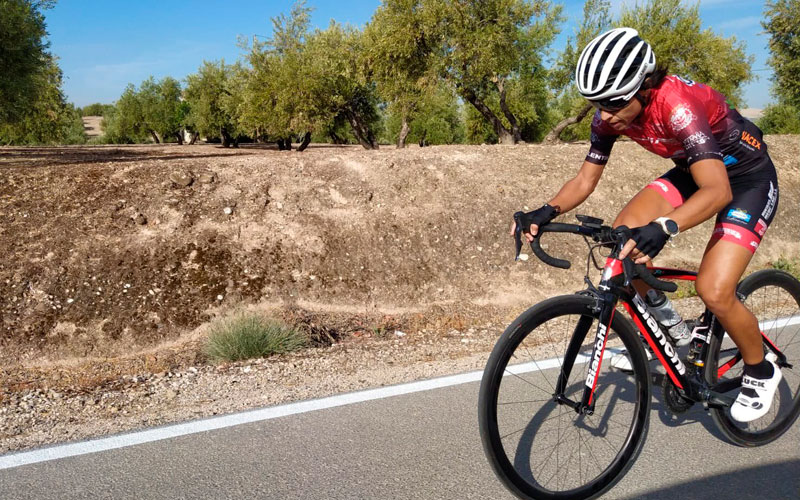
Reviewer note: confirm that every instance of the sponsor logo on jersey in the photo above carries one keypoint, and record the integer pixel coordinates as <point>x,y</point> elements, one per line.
<point>726,231</point>
<point>695,140</point>
<point>681,117</point>
<point>598,157</point>
<point>686,81</point>
<point>594,137</point>
<point>739,214</point>
<point>761,227</point>
<point>734,135</point>
<point>729,160</point>
<point>748,139</point>
<point>660,185</point>
<point>754,244</point>
<point>772,199</point>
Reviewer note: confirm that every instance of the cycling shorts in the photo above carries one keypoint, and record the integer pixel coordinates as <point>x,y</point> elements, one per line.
<point>746,218</point>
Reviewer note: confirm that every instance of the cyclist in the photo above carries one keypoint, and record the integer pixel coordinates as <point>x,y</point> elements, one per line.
<point>721,168</point>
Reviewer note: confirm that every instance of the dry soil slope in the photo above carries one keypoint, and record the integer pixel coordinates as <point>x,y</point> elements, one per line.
<point>107,251</point>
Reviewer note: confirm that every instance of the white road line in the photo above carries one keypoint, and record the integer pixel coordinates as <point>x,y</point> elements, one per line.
<point>210,424</point>
<point>171,431</point>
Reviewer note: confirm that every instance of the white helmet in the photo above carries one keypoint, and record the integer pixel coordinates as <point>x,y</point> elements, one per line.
<point>613,66</point>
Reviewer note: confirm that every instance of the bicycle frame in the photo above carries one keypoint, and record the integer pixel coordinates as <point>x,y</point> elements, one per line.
<point>692,383</point>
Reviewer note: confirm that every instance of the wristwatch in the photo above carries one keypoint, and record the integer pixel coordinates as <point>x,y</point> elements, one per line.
<point>668,225</point>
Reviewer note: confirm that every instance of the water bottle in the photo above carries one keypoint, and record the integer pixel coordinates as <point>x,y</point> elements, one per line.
<point>662,309</point>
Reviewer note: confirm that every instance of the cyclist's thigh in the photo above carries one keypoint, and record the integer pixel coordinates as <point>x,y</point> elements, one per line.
<point>739,228</point>
<point>657,199</point>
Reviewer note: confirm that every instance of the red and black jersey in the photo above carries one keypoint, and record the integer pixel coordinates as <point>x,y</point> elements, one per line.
<point>687,122</point>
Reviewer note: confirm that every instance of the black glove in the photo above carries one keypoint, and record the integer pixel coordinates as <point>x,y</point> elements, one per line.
<point>650,239</point>
<point>540,217</point>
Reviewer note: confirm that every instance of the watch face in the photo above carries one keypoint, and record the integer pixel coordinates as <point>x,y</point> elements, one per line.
<point>672,226</point>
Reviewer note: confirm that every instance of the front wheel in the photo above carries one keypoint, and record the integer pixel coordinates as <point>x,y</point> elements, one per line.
<point>774,298</point>
<point>540,447</point>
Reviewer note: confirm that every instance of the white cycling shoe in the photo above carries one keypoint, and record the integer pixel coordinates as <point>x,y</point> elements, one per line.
<point>622,361</point>
<point>747,408</point>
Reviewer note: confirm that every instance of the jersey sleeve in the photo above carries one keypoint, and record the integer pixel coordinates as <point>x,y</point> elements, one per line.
<point>688,122</point>
<point>602,142</point>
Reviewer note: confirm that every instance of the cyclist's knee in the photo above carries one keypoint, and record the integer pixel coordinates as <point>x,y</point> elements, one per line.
<point>717,295</point>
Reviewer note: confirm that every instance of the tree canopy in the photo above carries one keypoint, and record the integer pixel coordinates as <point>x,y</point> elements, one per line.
<point>783,25</point>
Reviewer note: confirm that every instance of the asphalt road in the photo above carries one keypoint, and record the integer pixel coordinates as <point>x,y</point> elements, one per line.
<point>415,446</point>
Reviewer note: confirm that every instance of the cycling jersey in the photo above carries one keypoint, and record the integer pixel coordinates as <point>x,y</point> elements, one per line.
<point>688,122</point>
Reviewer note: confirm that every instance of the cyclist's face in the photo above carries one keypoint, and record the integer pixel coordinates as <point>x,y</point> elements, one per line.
<point>620,119</point>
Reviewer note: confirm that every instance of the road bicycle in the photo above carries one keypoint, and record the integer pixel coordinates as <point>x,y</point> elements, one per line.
<point>570,426</point>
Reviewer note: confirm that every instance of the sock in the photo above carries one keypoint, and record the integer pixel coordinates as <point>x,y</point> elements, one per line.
<point>763,370</point>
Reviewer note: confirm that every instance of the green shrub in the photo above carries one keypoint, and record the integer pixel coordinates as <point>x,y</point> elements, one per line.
<point>791,266</point>
<point>250,335</point>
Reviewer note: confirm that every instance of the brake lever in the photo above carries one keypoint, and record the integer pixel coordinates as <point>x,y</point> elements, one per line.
<point>518,233</point>
<point>627,268</point>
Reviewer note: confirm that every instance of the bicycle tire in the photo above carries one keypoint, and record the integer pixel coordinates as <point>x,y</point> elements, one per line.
<point>774,297</point>
<point>615,390</point>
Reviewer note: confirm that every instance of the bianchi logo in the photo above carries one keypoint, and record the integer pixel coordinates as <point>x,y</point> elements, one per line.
<point>652,325</point>
<point>681,117</point>
<point>599,347</point>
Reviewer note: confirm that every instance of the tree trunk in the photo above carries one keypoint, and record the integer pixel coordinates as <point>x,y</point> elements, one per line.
<point>553,135</point>
<point>179,135</point>
<point>422,141</point>
<point>504,135</point>
<point>226,138</point>
<point>155,137</point>
<point>306,141</point>
<point>361,131</point>
<point>335,138</point>
<point>515,132</point>
<point>195,136</point>
<point>404,130</point>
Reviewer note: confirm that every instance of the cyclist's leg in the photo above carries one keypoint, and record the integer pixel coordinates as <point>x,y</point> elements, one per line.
<point>657,199</point>
<point>723,265</point>
<point>737,235</point>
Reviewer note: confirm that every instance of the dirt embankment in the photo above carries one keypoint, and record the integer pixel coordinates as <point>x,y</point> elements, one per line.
<point>108,251</point>
<point>114,260</point>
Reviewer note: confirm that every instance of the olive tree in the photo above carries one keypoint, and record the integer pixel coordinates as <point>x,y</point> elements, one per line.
<point>489,50</point>
<point>205,94</point>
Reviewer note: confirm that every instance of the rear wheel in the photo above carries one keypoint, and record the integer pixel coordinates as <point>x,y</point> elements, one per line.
<point>540,448</point>
<point>774,298</point>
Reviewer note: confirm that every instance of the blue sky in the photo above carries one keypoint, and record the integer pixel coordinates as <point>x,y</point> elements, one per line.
<point>104,45</point>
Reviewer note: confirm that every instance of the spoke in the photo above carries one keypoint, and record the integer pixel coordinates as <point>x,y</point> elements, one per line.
<point>524,402</point>
<point>526,426</point>
<point>589,449</point>
<point>528,382</point>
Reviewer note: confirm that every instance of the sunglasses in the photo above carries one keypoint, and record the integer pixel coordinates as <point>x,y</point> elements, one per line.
<point>611,104</point>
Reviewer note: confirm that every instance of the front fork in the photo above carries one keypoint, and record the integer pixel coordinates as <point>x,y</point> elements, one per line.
<point>606,305</point>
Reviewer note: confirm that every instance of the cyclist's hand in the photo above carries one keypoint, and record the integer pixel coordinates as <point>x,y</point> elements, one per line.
<point>532,220</point>
<point>645,243</point>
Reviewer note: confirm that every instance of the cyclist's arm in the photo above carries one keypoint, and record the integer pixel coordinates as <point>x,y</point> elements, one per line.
<point>704,157</point>
<point>576,190</point>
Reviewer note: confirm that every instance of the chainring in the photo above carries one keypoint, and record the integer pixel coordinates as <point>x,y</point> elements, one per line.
<point>676,403</point>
